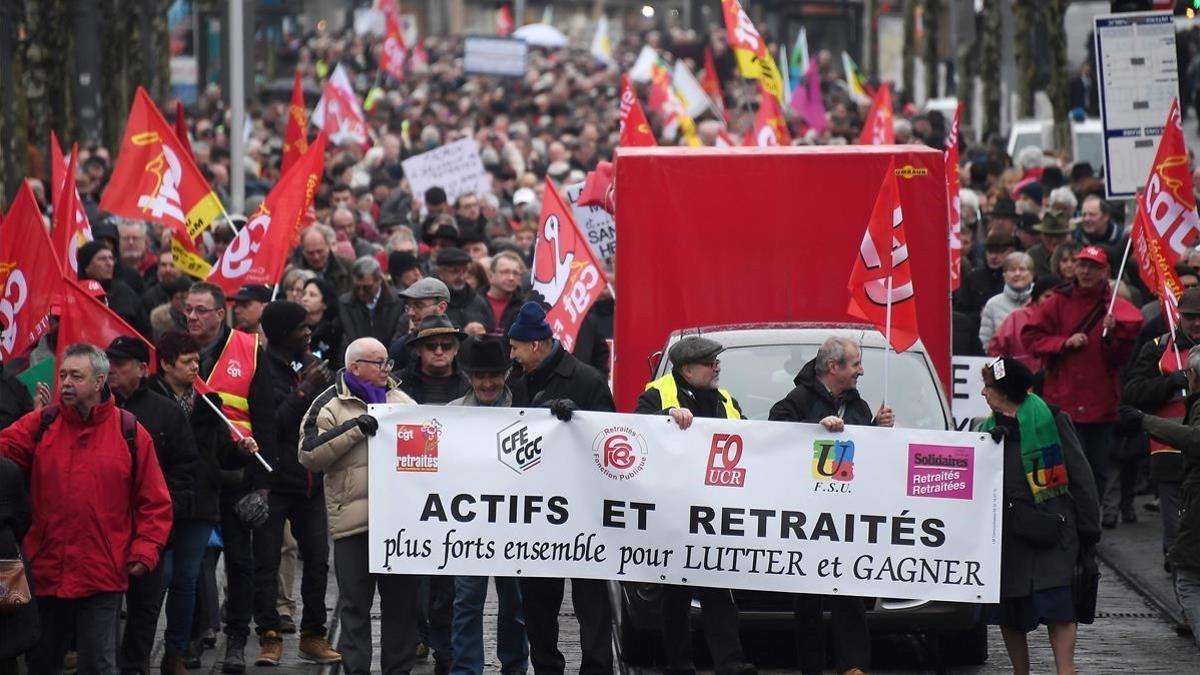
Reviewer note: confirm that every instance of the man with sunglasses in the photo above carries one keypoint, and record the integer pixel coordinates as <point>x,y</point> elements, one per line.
<point>691,390</point>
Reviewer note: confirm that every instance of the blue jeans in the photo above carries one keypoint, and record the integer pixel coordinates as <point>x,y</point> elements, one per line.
<point>511,648</point>
<point>181,567</point>
<point>1187,592</point>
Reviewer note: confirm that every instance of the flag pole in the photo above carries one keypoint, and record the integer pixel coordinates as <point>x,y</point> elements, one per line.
<point>887,339</point>
<point>234,428</point>
<point>1169,309</point>
<point>1112,302</point>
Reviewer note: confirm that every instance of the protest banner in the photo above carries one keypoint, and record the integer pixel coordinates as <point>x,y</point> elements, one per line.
<point>966,396</point>
<point>596,224</point>
<point>500,56</point>
<point>873,512</point>
<point>454,167</point>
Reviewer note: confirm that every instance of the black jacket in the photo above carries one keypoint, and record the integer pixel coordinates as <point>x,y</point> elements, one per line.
<point>174,443</point>
<point>127,304</point>
<point>15,400</point>
<point>591,347</point>
<point>291,402</point>
<point>18,629</point>
<point>335,272</point>
<point>466,306</point>
<point>413,384</point>
<point>561,375</point>
<point>811,402</point>
<point>215,451</point>
<point>702,402</point>
<point>976,289</point>
<point>327,343</point>
<point>383,324</point>
<point>262,415</point>
<point>1147,389</point>
<point>1185,552</point>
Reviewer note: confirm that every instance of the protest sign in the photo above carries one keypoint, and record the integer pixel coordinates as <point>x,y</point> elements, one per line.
<point>454,167</point>
<point>595,223</point>
<point>874,512</point>
<point>966,397</point>
<point>488,55</point>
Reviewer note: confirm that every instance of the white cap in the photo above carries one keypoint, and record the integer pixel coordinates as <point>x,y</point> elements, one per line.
<point>524,196</point>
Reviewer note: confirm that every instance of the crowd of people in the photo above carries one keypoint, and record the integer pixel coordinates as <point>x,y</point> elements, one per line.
<point>143,481</point>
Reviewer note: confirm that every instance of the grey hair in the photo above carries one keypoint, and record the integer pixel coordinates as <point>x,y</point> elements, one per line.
<point>1030,157</point>
<point>1193,359</point>
<point>832,349</point>
<point>902,126</point>
<point>94,354</point>
<point>324,230</point>
<point>490,199</point>
<point>1064,196</point>
<point>366,266</point>
<point>1018,258</point>
<point>968,202</point>
<point>359,348</point>
<point>402,234</point>
<point>130,223</point>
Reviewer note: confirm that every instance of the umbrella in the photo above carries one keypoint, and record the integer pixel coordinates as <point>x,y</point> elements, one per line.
<point>541,35</point>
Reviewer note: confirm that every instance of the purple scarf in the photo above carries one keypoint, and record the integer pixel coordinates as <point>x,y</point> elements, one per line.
<point>368,392</point>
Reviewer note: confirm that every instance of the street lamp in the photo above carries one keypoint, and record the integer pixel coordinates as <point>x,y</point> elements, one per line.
<point>648,11</point>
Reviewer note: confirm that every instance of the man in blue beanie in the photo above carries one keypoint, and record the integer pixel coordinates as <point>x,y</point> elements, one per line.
<point>553,378</point>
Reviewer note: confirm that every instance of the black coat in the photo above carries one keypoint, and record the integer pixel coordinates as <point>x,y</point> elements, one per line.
<point>383,324</point>
<point>413,384</point>
<point>702,402</point>
<point>174,443</point>
<point>1148,390</point>
<point>291,402</point>
<point>976,289</point>
<point>262,415</point>
<point>467,306</point>
<point>509,315</point>
<point>18,630</point>
<point>1185,552</point>
<point>591,347</point>
<point>215,452</point>
<point>327,343</point>
<point>15,400</point>
<point>561,375</point>
<point>127,304</point>
<point>811,402</point>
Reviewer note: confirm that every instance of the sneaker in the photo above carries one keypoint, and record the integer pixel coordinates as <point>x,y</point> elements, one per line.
<point>286,625</point>
<point>172,664</point>
<point>272,649</point>
<point>235,655</point>
<point>1153,505</point>
<point>316,649</point>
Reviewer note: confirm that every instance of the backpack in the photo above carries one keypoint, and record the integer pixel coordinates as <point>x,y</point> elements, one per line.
<point>128,431</point>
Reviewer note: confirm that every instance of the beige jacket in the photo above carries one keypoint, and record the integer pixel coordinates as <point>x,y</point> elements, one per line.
<point>330,441</point>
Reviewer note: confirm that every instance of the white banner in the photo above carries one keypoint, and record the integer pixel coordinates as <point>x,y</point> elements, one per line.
<point>595,223</point>
<point>492,55</point>
<point>454,167</point>
<point>966,396</point>
<point>731,504</point>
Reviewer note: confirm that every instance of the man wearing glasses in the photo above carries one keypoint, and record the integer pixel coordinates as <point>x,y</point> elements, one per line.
<point>424,298</point>
<point>333,440</point>
<point>204,310</point>
<point>690,390</point>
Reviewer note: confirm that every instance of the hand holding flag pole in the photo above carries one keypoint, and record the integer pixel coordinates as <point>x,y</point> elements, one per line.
<point>1112,302</point>
<point>1170,308</point>
<point>234,428</point>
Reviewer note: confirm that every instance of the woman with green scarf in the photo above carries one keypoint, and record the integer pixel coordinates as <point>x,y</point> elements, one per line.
<point>1051,512</point>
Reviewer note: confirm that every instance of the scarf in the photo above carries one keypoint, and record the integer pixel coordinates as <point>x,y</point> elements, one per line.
<point>369,393</point>
<point>1041,449</point>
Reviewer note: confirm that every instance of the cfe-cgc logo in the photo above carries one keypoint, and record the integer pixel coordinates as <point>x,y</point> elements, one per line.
<point>620,452</point>
<point>723,458</point>
<point>516,449</point>
<point>833,465</point>
<point>417,446</point>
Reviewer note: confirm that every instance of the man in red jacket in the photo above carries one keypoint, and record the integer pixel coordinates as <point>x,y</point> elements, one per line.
<point>101,511</point>
<point>1084,349</point>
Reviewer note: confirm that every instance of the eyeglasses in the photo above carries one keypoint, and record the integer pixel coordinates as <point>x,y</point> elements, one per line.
<point>198,311</point>
<point>711,364</point>
<point>382,365</point>
<point>440,346</point>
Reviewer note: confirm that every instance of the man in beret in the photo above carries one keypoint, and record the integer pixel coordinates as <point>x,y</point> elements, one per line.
<point>467,309</point>
<point>691,390</point>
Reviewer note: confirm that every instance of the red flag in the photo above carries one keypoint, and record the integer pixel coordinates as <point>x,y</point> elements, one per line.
<point>952,189</point>
<point>338,112</point>
<point>71,226</point>
<point>504,21</point>
<point>635,130</point>
<point>420,59</point>
<point>1166,223</point>
<point>395,52</point>
<point>711,83</point>
<point>749,50</point>
<point>565,272</point>
<point>871,272</point>
<point>156,178</point>
<point>295,138</point>
<point>769,125</point>
<point>181,128</point>
<point>29,275</point>
<point>877,128</point>
<point>84,318</point>
<point>599,188</point>
<point>58,168</point>
<point>259,251</point>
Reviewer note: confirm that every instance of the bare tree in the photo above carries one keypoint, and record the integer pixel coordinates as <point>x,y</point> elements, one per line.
<point>990,71</point>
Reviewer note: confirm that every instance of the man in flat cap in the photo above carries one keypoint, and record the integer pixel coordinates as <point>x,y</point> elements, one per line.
<point>690,390</point>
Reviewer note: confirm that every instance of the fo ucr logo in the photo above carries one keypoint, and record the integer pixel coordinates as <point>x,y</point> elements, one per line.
<point>876,289</point>
<point>163,201</point>
<point>16,292</point>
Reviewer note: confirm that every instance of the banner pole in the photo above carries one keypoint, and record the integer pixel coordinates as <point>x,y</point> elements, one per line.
<point>887,340</point>
<point>1169,308</point>
<point>1112,302</point>
<point>234,428</point>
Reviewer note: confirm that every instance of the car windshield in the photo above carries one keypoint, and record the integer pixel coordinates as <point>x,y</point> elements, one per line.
<point>759,375</point>
<point>1089,148</point>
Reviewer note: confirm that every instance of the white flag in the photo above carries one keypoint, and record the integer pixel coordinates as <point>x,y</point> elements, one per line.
<point>601,45</point>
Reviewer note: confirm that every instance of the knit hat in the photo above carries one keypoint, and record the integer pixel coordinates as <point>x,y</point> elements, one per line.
<point>530,325</point>
<point>1010,377</point>
<point>280,318</point>
<point>88,251</point>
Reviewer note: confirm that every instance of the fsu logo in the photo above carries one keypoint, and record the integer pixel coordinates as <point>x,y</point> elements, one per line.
<point>620,452</point>
<point>833,465</point>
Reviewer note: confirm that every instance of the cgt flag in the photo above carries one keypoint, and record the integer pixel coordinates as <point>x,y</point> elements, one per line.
<point>339,113</point>
<point>295,138</point>
<point>882,265</point>
<point>156,178</point>
<point>1166,223</point>
<point>635,130</point>
<point>84,318</point>
<point>259,251</point>
<point>952,198</point>
<point>395,52</point>
<point>753,60</point>
<point>878,129</point>
<point>71,227</point>
<point>565,271</point>
<point>30,275</point>
<point>769,125</point>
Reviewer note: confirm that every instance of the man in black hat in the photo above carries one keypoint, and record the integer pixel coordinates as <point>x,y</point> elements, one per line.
<point>97,262</point>
<point>433,378</point>
<point>440,232</point>
<point>1002,219</point>
<point>404,269</point>
<point>986,281</point>
<point>485,361</point>
<point>691,390</point>
<point>467,309</point>
<point>297,496</point>
<point>175,448</point>
<point>1053,230</point>
<point>248,305</point>
<point>371,309</point>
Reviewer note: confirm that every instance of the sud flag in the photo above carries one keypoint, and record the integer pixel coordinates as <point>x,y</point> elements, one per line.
<point>71,226</point>
<point>952,189</point>
<point>883,256</point>
<point>753,60</point>
<point>259,251</point>
<point>565,272</point>
<point>769,125</point>
<point>30,275</point>
<point>635,130</point>
<point>339,113</point>
<point>395,52</point>
<point>878,128</point>
<point>156,178</point>
<point>854,81</point>
<point>295,138</point>
<point>1166,223</point>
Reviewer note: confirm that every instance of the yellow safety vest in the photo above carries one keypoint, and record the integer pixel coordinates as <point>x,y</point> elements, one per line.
<point>669,393</point>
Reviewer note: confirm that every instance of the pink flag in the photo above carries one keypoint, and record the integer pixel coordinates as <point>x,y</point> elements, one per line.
<point>807,100</point>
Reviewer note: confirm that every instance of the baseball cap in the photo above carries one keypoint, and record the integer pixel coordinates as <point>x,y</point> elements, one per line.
<point>256,292</point>
<point>1093,253</point>
<point>524,196</point>
<point>128,348</point>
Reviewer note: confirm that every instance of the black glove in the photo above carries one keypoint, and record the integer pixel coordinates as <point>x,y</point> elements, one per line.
<point>563,408</point>
<point>368,424</point>
<point>1089,540</point>
<point>1178,379</point>
<point>998,432</point>
<point>252,509</point>
<point>1129,418</point>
